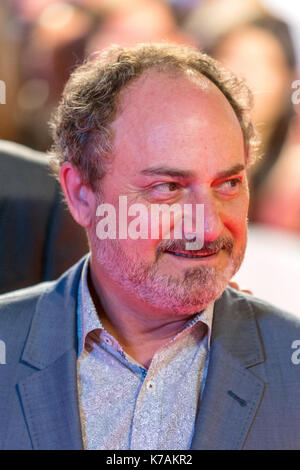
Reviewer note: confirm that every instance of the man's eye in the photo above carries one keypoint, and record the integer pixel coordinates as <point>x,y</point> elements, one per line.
<point>166,187</point>
<point>230,186</point>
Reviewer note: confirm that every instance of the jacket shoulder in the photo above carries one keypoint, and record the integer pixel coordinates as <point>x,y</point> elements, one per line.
<point>263,311</point>
<point>17,153</point>
<point>278,330</point>
<point>25,172</point>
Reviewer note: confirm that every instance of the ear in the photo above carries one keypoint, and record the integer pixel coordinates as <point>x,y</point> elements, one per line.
<point>81,199</point>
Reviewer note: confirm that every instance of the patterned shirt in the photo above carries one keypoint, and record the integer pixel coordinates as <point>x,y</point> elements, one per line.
<point>125,406</point>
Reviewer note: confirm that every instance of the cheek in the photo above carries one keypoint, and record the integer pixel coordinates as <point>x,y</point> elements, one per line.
<point>235,218</point>
<point>154,230</point>
<point>139,243</point>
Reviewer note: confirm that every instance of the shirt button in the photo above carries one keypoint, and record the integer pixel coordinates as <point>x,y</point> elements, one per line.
<point>107,341</point>
<point>150,385</point>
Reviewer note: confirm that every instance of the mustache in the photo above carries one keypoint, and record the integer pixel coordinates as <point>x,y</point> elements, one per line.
<point>221,243</point>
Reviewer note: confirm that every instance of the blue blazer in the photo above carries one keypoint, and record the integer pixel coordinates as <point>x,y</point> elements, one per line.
<point>252,393</point>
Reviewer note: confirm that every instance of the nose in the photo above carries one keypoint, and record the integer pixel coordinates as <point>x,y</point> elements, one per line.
<point>208,224</point>
<point>212,221</point>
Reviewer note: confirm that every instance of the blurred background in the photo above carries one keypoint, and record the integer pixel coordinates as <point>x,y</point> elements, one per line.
<point>41,41</point>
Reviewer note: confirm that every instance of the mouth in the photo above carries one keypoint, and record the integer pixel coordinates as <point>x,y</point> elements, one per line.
<point>187,254</point>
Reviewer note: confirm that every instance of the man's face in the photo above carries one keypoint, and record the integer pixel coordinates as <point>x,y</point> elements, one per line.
<point>176,140</point>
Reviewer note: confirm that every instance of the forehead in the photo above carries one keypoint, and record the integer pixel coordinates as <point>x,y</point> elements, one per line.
<point>179,117</point>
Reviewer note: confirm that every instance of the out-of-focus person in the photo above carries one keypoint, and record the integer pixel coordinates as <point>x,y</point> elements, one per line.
<point>261,51</point>
<point>38,237</point>
<point>259,48</point>
<point>54,34</point>
<point>134,21</point>
<point>211,19</point>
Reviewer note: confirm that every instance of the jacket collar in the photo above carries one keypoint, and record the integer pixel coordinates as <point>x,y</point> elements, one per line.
<point>53,331</point>
<point>235,328</point>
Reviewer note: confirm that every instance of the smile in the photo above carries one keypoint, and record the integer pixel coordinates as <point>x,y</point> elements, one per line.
<point>186,255</point>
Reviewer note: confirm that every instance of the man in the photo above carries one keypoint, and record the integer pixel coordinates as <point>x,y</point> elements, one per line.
<point>142,345</point>
<point>38,238</point>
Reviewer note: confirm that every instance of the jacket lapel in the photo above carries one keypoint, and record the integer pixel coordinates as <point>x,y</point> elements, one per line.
<point>49,396</point>
<point>232,392</point>
<point>50,405</point>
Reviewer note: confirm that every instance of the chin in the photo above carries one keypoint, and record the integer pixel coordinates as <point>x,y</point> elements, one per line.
<point>185,298</point>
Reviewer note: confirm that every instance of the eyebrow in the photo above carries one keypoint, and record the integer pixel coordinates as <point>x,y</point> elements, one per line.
<point>231,171</point>
<point>168,171</point>
<point>178,173</point>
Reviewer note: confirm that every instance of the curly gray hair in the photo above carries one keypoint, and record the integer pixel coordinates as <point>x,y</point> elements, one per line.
<point>81,124</point>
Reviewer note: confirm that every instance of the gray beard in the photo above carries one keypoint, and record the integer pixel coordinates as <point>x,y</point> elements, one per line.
<point>186,295</point>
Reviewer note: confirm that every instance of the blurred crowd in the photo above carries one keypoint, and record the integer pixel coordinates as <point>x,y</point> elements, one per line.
<point>41,41</point>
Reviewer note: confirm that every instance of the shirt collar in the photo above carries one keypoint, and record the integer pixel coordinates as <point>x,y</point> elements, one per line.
<point>88,319</point>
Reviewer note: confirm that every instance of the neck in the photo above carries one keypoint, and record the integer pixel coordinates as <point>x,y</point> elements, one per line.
<point>140,328</point>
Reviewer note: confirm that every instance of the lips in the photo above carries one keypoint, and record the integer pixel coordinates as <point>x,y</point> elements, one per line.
<point>187,254</point>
